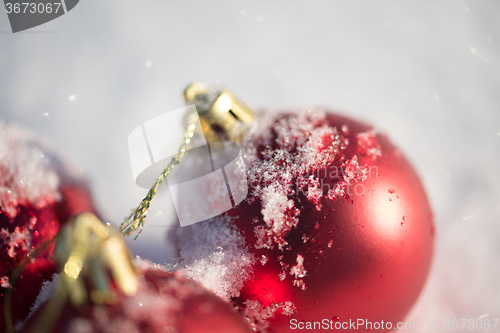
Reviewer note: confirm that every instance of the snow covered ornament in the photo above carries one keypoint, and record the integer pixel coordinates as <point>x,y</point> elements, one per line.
<point>321,226</point>
<point>326,200</point>
<point>38,193</point>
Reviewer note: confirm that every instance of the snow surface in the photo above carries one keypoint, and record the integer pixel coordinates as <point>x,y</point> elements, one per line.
<point>29,175</point>
<point>424,72</point>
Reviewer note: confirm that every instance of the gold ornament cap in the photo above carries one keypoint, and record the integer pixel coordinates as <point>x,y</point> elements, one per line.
<point>222,116</point>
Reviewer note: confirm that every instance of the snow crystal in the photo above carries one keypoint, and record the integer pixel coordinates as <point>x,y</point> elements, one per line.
<point>257,315</point>
<point>45,293</point>
<point>290,155</point>
<point>264,237</point>
<point>345,129</point>
<point>353,172</point>
<point>288,309</point>
<point>279,213</point>
<point>4,282</point>
<point>337,191</point>
<point>214,253</point>
<point>298,270</point>
<point>368,144</point>
<point>144,264</point>
<point>305,238</point>
<point>27,173</point>
<point>299,283</point>
<point>16,239</point>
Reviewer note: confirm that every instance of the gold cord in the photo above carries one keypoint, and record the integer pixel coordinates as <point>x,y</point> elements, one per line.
<point>135,221</point>
<point>222,117</point>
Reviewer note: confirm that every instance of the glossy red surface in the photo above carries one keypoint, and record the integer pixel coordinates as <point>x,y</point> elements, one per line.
<point>367,255</point>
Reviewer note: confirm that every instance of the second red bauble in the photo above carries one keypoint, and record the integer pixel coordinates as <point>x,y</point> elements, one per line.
<point>338,221</point>
<point>39,191</point>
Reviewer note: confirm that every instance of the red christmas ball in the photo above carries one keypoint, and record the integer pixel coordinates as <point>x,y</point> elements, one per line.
<point>38,193</point>
<point>164,302</point>
<point>338,221</point>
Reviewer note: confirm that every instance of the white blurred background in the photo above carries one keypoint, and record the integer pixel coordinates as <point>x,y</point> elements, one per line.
<point>427,73</point>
